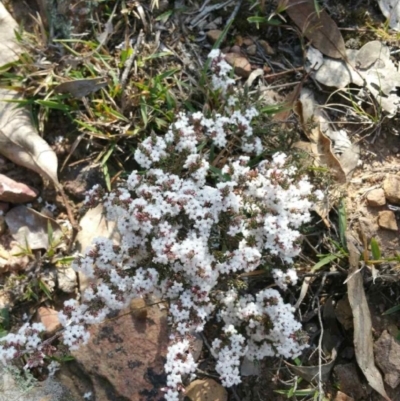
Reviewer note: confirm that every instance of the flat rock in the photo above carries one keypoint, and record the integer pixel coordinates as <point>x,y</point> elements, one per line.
<point>387,220</point>
<point>387,357</point>
<point>391,186</point>
<point>376,197</point>
<point>125,356</point>
<point>15,192</point>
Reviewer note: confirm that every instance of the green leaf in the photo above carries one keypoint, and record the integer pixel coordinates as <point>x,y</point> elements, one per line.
<point>376,252</point>
<point>391,310</point>
<point>216,171</point>
<point>107,176</point>
<point>342,222</point>
<point>164,16</point>
<point>327,259</point>
<point>44,288</point>
<point>5,318</point>
<point>264,20</point>
<point>53,105</point>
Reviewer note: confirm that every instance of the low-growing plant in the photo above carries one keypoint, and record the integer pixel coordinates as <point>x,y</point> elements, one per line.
<point>186,238</point>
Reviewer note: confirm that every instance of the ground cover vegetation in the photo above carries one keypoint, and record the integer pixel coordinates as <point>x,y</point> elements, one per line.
<point>246,239</point>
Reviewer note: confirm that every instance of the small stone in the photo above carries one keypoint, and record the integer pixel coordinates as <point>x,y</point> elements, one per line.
<point>248,41</point>
<point>342,397</point>
<point>387,356</point>
<point>376,197</point>
<point>235,49</point>
<point>213,35</point>
<point>66,279</point>
<point>49,319</point>
<point>252,50</point>
<point>391,187</point>
<point>15,192</point>
<point>387,219</point>
<point>206,390</point>
<point>241,65</point>
<point>267,47</point>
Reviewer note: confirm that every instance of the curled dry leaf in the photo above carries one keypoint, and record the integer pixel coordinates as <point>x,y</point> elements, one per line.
<point>19,140</point>
<point>363,342</point>
<point>318,27</point>
<point>29,227</point>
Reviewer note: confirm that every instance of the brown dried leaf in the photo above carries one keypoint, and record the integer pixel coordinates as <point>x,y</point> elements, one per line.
<point>318,27</point>
<point>314,124</point>
<point>363,342</point>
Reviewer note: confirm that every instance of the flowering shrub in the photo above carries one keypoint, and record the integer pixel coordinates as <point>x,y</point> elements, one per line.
<point>183,237</point>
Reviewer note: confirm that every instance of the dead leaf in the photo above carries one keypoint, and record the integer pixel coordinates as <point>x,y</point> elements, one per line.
<point>9,47</point>
<point>363,342</point>
<point>19,140</point>
<point>288,105</point>
<point>315,124</point>
<point>29,227</point>
<point>391,10</point>
<point>318,27</point>
<point>82,87</point>
<point>311,373</point>
<point>371,66</point>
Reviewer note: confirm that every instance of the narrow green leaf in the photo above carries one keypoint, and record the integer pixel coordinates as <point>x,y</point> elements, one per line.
<point>164,16</point>
<point>342,222</point>
<point>392,310</point>
<point>264,20</point>
<point>53,105</point>
<point>107,176</point>
<point>324,261</point>
<point>376,252</point>
<point>44,288</point>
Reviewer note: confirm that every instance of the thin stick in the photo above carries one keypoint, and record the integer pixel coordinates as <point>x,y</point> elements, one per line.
<point>129,62</point>
<point>320,353</point>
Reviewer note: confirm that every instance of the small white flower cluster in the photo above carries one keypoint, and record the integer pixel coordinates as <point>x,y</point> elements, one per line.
<point>284,278</point>
<point>183,237</point>
<point>268,322</point>
<point>228,354</point>
<point>179,362</point>
<point>26,342</point>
